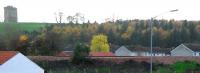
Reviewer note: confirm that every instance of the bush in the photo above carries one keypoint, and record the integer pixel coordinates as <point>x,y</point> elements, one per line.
<point>163,70</point>
<point>182,67</point>
<point>80,53</point>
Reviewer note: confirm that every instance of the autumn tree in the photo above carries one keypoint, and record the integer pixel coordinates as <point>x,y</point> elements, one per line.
<point>23,44</point>
<point>99,43</point>
<point>23,38</point>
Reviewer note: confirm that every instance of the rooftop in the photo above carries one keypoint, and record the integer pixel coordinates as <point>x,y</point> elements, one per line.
<point>6,55</point>
<point>100,54</point>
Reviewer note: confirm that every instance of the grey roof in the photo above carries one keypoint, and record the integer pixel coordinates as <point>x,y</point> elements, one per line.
<point>123,48</point>
<point>193,46</point>
<point>182,46</point>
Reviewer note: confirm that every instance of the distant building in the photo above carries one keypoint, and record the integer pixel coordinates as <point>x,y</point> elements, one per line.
<point>123,51</point>
<point>10,14</point>
<point>141,51</point>
<point>192,48</point>
<point>182,50</point>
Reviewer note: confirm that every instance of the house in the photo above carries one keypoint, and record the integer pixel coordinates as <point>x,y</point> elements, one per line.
<point>141,51</point>
<point>123,51</point>
<point>197,53</point>
<point>158,54</point>
<point>101,54</point>
<point>194,47</point>
<point>161,51</point>
<point>15,62</point>
<point>182,50</point>
<point>144,51</point>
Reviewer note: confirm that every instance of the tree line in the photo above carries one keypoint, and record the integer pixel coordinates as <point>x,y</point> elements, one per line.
<point>56,37</point>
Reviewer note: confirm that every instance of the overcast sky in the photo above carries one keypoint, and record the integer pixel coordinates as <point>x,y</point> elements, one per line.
<point>99,10</point>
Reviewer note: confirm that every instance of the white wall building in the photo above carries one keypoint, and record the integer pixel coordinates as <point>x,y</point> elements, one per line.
<point>15,62</point>
<point>123,51</point>
<point>196,53</point>
<point>139,53</point>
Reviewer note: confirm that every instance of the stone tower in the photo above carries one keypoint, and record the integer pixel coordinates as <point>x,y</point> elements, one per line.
<point>10,14</point>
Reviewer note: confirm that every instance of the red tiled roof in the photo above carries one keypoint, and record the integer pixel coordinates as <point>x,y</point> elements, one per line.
<point>65,54</point>
<point>6,55</point>
<point>101,54</point>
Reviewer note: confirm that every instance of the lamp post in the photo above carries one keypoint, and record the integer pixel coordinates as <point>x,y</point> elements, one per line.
<point>151,40</point>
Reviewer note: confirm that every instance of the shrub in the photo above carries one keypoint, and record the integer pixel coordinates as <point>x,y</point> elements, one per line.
<point>182,67</point>
<point>80,53</point>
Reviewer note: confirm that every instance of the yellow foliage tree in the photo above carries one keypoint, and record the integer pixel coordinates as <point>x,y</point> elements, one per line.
<point>99,43</point>
<point>57,29</point>
<point>23,38</point>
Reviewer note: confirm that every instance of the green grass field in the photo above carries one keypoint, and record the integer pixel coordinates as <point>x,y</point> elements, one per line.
<point>22,26</point>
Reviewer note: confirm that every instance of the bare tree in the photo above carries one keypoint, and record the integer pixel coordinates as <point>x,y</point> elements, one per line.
<point>56,17</point>
<point>60,16</point>
<point>70,18</point>
<point>76,18</point>
<point>79,16</point>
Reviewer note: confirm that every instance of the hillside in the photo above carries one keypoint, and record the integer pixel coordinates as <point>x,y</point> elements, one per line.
<point>166,34</point>
<point>22,26</point>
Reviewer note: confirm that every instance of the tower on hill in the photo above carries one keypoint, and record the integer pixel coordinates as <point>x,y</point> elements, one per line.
<point>10,14</point>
